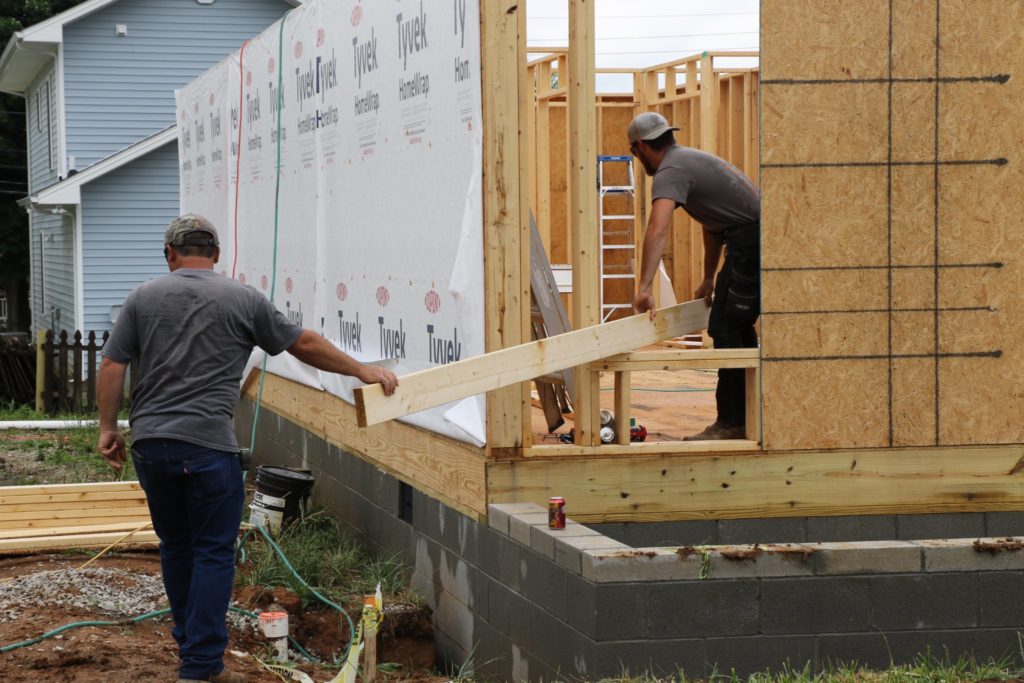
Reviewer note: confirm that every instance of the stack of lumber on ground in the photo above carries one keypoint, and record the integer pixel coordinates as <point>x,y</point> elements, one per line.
<point>50,517</point>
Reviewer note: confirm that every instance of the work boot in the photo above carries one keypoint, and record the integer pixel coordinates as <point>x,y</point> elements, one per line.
<point>225,676</point>
<point>718,431</point>
<point>228,676</point>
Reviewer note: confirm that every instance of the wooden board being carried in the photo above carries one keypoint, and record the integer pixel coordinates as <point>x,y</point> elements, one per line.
<point>435,386</point>
<point>52,517</point>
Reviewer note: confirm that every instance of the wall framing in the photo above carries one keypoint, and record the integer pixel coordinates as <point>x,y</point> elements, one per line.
<point>806,467</point>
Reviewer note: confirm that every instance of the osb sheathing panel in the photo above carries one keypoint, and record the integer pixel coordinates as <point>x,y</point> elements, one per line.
<point>892,237</point>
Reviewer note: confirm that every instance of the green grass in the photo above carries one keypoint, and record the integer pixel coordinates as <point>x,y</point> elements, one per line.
<point>64,456</point>
<point>927,668</point>
<point>9,410</point>
<point>331,561</point>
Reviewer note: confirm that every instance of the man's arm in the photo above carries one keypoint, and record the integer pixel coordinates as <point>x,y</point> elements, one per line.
<point>712,252</point>
<point>313,349</point>
<point>110,386</point>
<point>655,238</point>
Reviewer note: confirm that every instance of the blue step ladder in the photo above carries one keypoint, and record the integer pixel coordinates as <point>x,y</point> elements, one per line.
<point>616,231</point>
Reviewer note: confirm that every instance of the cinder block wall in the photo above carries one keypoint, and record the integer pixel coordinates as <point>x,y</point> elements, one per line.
<point>524,604</point>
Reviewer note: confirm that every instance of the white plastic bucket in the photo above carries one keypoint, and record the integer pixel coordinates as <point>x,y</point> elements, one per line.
<point>267,511</point>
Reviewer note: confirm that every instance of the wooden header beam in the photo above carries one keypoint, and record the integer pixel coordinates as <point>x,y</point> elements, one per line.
<point>455,381</point>
<point>635,486</point>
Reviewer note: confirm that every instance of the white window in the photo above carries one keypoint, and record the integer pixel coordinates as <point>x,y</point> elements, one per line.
<point>43,115</point>
<point>39,116</point>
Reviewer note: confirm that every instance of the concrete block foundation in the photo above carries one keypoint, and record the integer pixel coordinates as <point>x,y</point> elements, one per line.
<point>524,603</point>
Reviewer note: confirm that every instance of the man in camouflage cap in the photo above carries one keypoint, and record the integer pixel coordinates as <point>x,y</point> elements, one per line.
<point>192,332</point>
<point>191,229</point>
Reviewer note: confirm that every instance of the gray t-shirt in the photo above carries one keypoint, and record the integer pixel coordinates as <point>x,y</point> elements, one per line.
<point>192,332</point>
<point>712,190</point>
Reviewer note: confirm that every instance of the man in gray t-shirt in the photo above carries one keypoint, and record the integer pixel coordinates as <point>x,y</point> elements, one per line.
<point>191,332</point>
<point>728,206</point>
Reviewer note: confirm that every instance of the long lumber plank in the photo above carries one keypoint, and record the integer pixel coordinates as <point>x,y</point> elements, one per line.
<point>64,489</point>
<point>681,360</point>
<point>87,529</point>
<point>37,544</point>
<point>17,520</point>
<point>62,498</point>
<point>87,504</point>
<point>455,381</point>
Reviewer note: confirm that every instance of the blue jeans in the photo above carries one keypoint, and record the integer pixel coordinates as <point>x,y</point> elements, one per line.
<point>195,499</point>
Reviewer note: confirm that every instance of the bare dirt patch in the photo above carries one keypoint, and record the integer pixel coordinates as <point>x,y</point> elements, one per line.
<point>43,592</point>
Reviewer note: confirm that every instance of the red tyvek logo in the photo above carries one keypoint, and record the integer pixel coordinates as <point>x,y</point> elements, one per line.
<point>271,65</point>
<point>196,107</point>
<point>382,295</point>
<point>432,301</point>
<point>212,99</point>
<point>263,281</point>
<point>241,278</point>
<point>298,49</point>
<point>321,37</point>
<point>342,291</point>
<point>248,78</point>
<point>288,285</point>
<point>357,14</point>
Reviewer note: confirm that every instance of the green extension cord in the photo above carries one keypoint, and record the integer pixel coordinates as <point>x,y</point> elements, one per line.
<point>277,219</point>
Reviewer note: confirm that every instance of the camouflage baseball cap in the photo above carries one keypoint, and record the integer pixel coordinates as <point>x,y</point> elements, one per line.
<point>189,229</point>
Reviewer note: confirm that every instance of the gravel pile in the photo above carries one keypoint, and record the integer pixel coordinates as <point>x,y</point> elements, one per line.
<point>111,593</point>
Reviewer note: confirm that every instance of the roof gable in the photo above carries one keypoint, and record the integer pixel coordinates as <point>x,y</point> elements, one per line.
<point>68,191</point>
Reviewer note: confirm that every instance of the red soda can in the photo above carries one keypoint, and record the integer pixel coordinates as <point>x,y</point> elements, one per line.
<point>556,512</point>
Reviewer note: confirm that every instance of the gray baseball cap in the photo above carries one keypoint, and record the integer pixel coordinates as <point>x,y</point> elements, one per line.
<point>189,230</point>
<point>648,126</point>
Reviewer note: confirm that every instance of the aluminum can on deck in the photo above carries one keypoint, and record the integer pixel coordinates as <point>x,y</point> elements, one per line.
<point>556,512</point>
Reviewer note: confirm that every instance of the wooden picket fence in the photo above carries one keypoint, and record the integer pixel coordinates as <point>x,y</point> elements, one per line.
<point>66,370</point>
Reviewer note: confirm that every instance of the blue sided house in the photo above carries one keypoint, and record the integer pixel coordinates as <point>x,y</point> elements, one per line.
<point>98,82</point>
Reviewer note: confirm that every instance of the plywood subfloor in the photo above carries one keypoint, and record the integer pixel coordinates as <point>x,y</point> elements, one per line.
<point>670,404</point>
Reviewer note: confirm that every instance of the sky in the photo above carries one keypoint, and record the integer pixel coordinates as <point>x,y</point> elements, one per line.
<point>642,33</point>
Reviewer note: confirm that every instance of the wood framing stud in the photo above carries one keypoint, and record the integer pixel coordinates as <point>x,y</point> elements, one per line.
<point>583,224</point>
<point>622,410</point>
<point>506,243</point>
